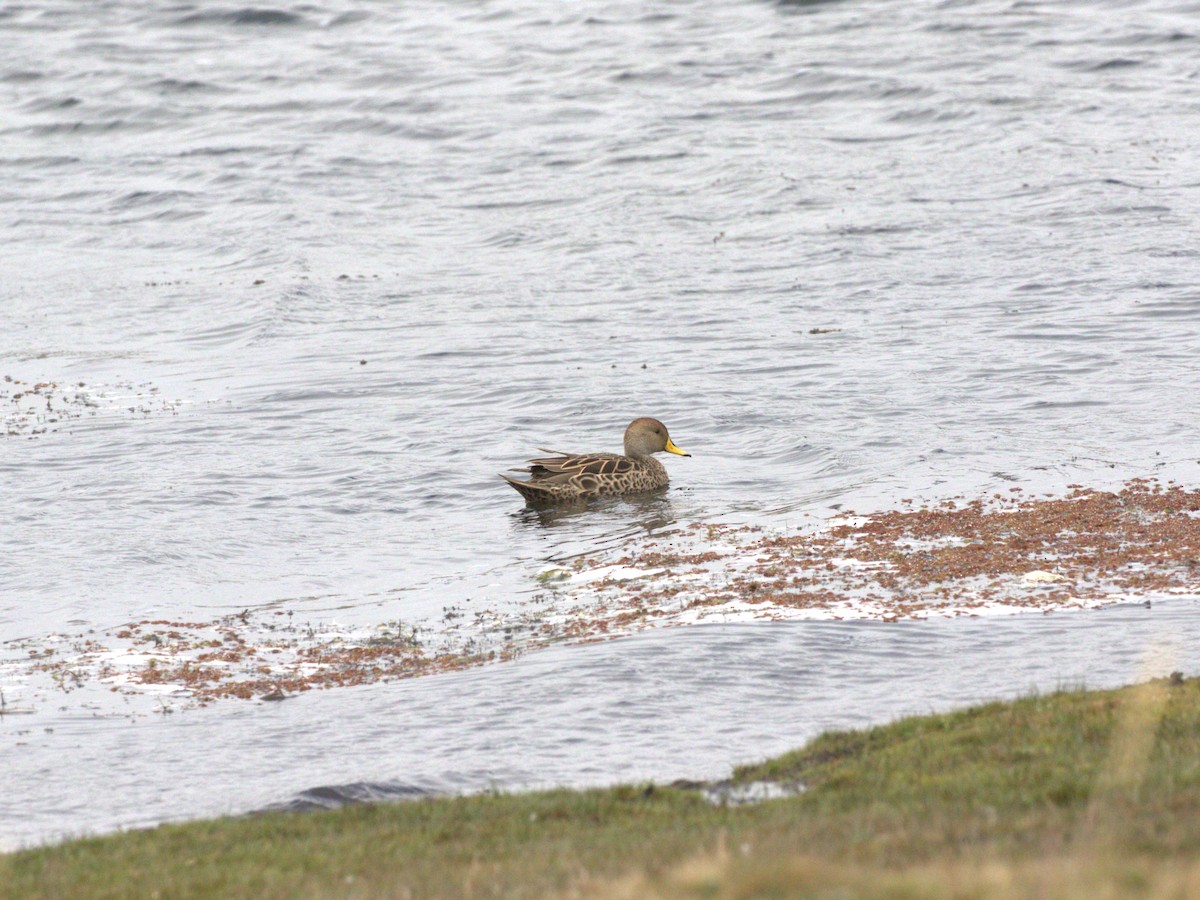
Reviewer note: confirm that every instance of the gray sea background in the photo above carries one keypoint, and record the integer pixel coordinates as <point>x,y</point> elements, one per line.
<point>308,275</point>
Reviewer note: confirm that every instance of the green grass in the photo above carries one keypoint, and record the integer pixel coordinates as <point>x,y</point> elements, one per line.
<point>1071,794</point>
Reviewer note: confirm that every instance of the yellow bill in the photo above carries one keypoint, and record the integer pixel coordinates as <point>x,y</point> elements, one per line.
<point>673,448</point>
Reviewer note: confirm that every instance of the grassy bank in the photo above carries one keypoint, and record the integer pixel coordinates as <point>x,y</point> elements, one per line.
<point>1073,794</point>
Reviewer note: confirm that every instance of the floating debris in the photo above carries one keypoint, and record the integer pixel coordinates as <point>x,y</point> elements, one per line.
<point>9,709</point>
<point>1040,575</point>
<point>1002,554</point>
<point>999,555</point>
<point>32,408</point>
<point>242,656</point>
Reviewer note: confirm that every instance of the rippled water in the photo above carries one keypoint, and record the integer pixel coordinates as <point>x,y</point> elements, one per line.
<point>329,266</point>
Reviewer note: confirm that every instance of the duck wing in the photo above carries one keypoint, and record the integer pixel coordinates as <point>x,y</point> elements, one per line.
<point>565,466</point>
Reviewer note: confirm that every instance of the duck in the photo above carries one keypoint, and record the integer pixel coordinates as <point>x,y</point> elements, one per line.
<point>571,477</point>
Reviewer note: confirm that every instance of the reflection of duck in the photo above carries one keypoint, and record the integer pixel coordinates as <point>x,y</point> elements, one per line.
<point>569,476</point>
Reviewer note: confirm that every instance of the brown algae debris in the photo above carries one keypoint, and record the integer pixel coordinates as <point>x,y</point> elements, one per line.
<point>29,409</point>
<point>1001,554</point>
<point>1005,553</point>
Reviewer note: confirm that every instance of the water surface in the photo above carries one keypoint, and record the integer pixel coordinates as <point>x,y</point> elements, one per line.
<point>324,268</point>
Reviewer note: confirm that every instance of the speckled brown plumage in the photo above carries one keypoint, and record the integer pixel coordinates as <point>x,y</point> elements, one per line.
<point>566,477</point>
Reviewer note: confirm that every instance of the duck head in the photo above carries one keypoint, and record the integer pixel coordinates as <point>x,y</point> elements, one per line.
<point>646,436</point>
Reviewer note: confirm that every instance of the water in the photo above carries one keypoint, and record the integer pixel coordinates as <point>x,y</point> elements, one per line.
<point>214,216</point>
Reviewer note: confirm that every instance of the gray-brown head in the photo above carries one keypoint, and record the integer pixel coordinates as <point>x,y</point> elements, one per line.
<point>646,436</point>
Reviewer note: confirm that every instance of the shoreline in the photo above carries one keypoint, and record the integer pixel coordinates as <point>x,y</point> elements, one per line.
<point>663,705</point>
<point>1049,794</point>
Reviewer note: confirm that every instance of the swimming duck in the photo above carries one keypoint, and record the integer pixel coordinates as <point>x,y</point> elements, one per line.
<point>570,476</point>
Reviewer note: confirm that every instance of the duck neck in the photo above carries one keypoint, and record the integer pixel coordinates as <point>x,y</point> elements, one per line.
<point>649,462</point>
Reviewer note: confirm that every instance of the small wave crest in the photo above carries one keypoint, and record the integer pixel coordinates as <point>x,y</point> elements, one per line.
<point>247,15</point>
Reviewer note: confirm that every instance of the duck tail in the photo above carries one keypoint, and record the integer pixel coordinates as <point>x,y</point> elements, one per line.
<point>529,490</point>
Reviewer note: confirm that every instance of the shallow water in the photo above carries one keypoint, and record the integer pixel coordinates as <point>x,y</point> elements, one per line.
<point>325,268</point>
